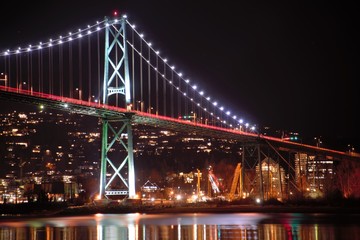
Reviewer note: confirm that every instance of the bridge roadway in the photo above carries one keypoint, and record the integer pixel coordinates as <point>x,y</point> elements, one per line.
<point>117,113</point>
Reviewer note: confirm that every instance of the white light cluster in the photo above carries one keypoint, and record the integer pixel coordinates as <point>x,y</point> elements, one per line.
<point>187,81</point>
<point>53,42</point>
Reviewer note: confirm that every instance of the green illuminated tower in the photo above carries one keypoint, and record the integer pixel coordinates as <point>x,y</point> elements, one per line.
<point>117,176</point>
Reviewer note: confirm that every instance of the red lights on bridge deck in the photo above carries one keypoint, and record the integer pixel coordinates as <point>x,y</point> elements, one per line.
<point>67,101</point>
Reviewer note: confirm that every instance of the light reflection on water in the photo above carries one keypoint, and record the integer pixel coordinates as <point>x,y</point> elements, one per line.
<point>183,226</point>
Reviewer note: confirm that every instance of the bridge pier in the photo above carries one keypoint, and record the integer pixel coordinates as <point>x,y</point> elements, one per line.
<point>117,173</point>
<point>266,173</point>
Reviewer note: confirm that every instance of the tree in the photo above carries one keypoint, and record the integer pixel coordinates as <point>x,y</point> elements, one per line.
<point>348,178</point>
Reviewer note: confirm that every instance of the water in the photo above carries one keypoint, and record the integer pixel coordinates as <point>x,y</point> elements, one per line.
<point>184,226</point>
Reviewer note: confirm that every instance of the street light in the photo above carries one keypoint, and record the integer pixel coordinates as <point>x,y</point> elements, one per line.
<point>79,92</point>
<point>150,110</point>
<point>246,127</point>
<point>22,86</point>
<point>318,141</point>
<point>3,77</point>
<point>139,106</point>
<point>351,148</point>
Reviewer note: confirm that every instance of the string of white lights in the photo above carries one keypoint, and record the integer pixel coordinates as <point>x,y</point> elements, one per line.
<point>62,39</point>
<point>169,81</point>
<point>162,74</point>
<point>240,121</point>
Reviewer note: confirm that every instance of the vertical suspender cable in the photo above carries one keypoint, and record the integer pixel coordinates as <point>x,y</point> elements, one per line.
<point>28,71</point>
<point>157,85</point>
<point>5,69</point>
<point>186,103</point>
<point>179,97</point>
<point>149,82</point>
<point>17,71</point>
<point>71,86</point>
<point>141,78</point>
<point>39,71</point>
<point>20,73</point>
<point>31,74</point>
<point>213,115</point>
<point>89,67</point>
<point>42,71</point>
<point>9,73</point>
<point>164,89</point>
<point>116,77</point>
<point>80,71</point>
<point>98,68</point>
<point>51,83</point>
<point>171,94</point>
<point>200,110</point>
<point>61,73</point>
<point>133,69</point>
<point>193,101</point>
<point>207,112</point>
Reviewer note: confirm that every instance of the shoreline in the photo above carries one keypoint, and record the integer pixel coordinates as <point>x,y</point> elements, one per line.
<point>85,210</point>
<point>213,209</point>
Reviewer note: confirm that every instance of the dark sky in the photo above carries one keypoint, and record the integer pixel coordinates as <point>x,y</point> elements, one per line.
<point>288,66</point>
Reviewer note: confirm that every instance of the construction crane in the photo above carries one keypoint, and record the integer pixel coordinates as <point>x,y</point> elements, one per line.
<point>198,184</point>
<point>236,183</point>
<point>213,182</point>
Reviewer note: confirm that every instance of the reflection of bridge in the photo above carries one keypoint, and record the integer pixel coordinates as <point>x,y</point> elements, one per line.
<point>139,86</point>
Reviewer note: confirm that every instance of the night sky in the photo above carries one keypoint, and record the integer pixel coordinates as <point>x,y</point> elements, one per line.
<point>287,66</point>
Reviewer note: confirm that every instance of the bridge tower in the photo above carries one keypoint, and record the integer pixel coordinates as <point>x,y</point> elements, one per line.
<point>117,175</point>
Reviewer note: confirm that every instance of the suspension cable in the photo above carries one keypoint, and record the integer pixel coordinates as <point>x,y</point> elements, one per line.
<point>149,82</point>
<point>51,71</point>
<point>80,71</point>
<point>141,79</point>
<point>17,71</point>
<point>28,71</point>
<point>31,74</point>
<point>133,69</point>
<point>61,70</point>
<point>179,97</point>
<point>171,95</point>
<point>89,67</point>
<point>116,78</point>
<point>40,70</point>
<point>70,71</point>
<point>157,86</point>
<point>98,68</point>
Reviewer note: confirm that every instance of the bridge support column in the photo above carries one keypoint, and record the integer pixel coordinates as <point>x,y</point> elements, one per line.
<point>103,158</point>
<point>251,165</point>
<point>131,168</point>
<point>117,173</point>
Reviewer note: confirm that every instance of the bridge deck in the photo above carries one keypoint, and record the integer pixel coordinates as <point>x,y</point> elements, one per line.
<point>117,113</point>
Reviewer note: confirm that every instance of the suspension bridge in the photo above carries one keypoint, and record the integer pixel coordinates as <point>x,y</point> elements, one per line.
<point>108,70</point>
